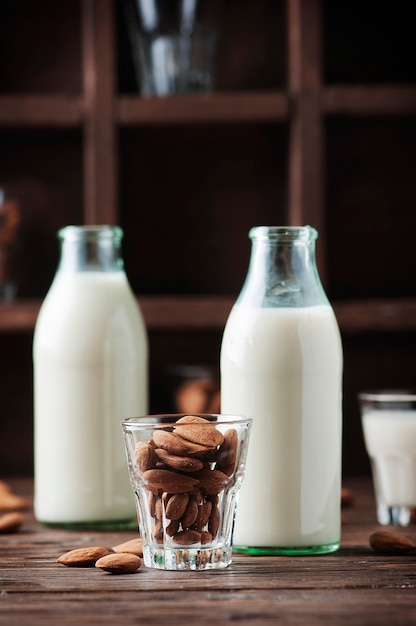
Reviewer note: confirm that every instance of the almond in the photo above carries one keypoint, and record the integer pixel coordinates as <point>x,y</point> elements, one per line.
<point>199,431</point>
<point>145,456</point>
<point>10,522</point>
<point>212,481</point>
<point>173,528</point>
<point>176,506</point>
<point>11,502</point>
<point>182,463</point>
<point>190,515</point>
<point>121,563</point>
<point>187,537</point>
<point>172,482</point>
<point>206,537</point>
<point>4,487</point>
<point>391,543</point>
<point>227,454</point>
<point>214,520</point>
<point>204,512</point>
<point>83,557</point>
<point>134,546</point>
<point>347,497</point>
<point>175,444</point>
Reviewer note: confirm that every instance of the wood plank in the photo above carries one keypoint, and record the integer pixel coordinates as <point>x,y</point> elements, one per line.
<point>100,137</point>
<point>216,108</point>
<point>369,316</point>
<point>46,111</point>
<point>358,100</point>
<point>211,312</point>
<point>353,585</point>
<point>306,145</point>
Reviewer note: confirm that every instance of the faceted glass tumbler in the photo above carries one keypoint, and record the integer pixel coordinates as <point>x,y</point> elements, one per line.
<point>389,428</point>
<point>186,472</point>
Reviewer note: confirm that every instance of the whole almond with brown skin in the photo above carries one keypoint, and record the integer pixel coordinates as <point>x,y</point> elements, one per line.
<point>145,456</point>
<point>83,557</point>
<point>121,563</point>
<point>187,537</point>
<point>190,515</point>
<point>214,520</point>
<point>347,497</point>
<point>227,453</point>
<point>199,430</point>
<point>4,487</point>
<point>176,506</point>
<point>391,543</point>
<point>10,522</point>
<point>173,528</point>
<point>206,537</point>
<point>175,444</point>
<point>172,482</point>
<point>212,481</point>
<point>12,502</point>
<point>133,546</point>
<point>182,463</point>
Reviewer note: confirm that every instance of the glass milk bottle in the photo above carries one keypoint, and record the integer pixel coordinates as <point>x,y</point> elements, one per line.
<point>90,358</point>
<point>281,364</point>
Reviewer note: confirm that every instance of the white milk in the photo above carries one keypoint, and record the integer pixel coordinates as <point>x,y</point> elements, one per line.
<point>390,438</point>
<point>90,372</point>
<point>282,367</point>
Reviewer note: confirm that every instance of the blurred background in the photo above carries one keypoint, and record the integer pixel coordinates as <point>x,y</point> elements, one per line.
<point>308,117</point>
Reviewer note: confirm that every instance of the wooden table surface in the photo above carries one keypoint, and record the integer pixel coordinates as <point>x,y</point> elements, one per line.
<point>352,586</point>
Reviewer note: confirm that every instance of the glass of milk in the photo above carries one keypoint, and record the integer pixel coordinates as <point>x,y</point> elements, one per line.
<point>389,427</point>
<point>186,472</point>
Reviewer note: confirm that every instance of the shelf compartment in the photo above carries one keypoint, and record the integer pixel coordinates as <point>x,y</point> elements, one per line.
<point>189,196</point>
<point>251,45</point>
<point>40,47</point>
<point>370,200</point>
<point>367,44</point>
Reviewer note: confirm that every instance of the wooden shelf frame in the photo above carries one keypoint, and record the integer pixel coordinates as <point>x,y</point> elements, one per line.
<point>170,312</point>
<point>31,111</point>
<point>100,112</point>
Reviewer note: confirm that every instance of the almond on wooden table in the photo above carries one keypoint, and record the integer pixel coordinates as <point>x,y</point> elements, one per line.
<point>83,557</point>
<point>347,497</point>
<point>389,542</point>
<point>10,522</point>
<point>133,546</point>
<point>9,501</point>
<point>119,563</point>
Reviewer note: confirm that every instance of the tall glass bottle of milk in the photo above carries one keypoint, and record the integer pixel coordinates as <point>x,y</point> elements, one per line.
<point>90,357</point>
<point>281,364</point>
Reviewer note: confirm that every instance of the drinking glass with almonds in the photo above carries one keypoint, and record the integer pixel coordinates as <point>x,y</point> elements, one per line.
<point>186,472</point>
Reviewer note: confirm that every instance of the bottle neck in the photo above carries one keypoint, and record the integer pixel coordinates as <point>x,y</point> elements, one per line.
<point>282,270</point>
<point>91,249</point>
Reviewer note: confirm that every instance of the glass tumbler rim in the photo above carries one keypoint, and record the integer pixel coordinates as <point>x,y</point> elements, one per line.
<point>388,395</point>
<point>166,419</point>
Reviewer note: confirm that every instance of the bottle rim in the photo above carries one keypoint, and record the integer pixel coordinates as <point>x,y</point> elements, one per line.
<point>91,233</point>
<point>284,233</point>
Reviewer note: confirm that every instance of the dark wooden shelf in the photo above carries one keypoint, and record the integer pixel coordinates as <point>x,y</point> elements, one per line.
<point>211,312</point>
<point>33,110</point>
<point>213,108</point>
<point>375,100</point>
